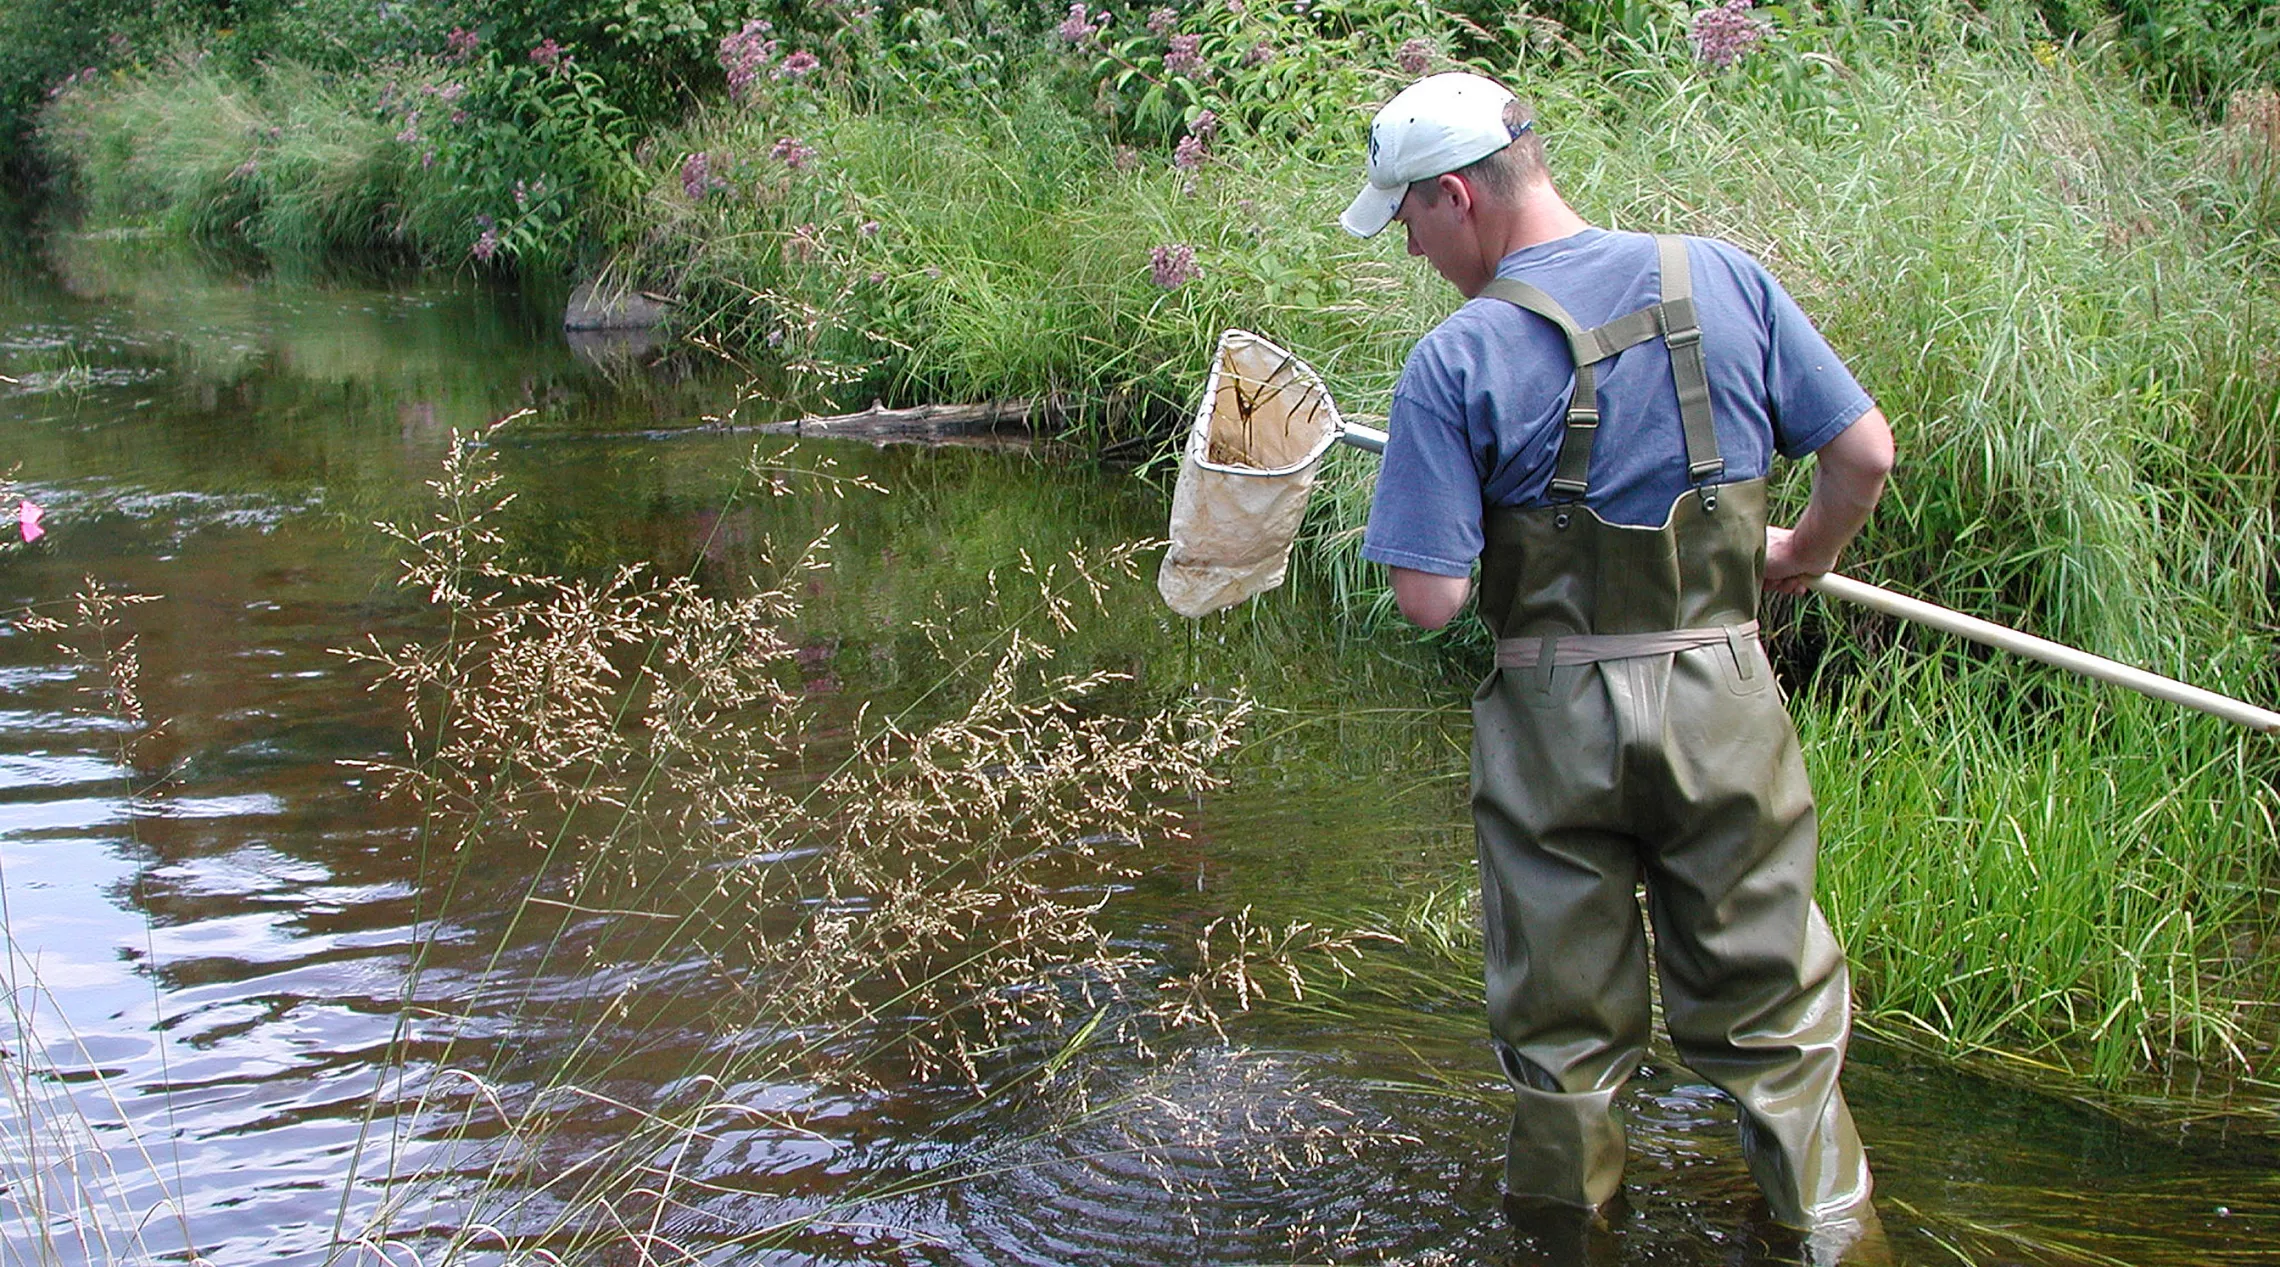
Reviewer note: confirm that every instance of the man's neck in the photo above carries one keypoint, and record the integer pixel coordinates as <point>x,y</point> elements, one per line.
<point>1539,215</point>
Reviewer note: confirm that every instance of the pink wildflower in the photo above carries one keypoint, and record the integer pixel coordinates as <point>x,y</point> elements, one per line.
<point>460,44</point>
<point>745,54</point>
<point>486,245</point>
<point>1206,125</point>
<point>869,229</point>
<point>1172,265</point>
<point>697,178</point>
<point>798,64</point>
<point>1259,54</point>
<point>549,55</point>
<point>451,92</point>
<point>1161,20</point>
<point>1189,153</point>
<point>411,133</point>
<point>792,152</point>
<point>1415,57</point>
<point>1726,33</point>
<point>1074,28</point>
<point>1126,158</point>
<point>1184,56</point>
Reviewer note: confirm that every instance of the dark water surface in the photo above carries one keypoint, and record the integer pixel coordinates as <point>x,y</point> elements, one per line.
<point>211,929</point>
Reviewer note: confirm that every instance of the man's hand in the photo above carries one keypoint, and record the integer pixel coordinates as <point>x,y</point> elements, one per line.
<point>1785,573</point>
<point>1848,477</point>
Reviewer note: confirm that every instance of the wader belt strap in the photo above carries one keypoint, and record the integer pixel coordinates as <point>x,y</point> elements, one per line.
<point>1529,652</point>
<point>1687,372</point>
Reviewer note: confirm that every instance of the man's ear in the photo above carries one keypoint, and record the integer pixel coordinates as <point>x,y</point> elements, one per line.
<point>1454,189</point>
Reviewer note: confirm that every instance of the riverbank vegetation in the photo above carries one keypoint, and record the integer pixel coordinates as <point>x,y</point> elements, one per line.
<point>2043,236</point>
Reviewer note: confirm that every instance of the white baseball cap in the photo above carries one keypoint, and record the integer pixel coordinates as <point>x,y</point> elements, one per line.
<point>1438,124</point>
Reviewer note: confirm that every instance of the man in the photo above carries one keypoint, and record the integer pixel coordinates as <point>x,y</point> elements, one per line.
<point>1595,427</point>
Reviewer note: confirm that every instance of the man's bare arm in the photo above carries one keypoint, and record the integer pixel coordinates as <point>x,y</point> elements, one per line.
<point>1427,599</point>
<point>1848,477</point>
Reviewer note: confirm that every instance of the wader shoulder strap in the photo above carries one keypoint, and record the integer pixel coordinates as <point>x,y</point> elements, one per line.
<point>1674,320</point>
<point>1571,476</point>
<point>1687,372</point>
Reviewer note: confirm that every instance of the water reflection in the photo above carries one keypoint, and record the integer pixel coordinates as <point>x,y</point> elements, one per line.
<point>233,966</point>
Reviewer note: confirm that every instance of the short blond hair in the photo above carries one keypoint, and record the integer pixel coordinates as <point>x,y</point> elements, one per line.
<point>1509,170</point>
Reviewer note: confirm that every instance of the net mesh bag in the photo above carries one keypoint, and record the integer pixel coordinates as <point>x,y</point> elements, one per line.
<point>1245,474</point>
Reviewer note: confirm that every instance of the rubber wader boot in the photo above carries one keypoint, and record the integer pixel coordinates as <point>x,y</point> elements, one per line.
<point>1602,756</point>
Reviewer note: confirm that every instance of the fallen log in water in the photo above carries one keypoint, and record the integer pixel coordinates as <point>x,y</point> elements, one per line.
<point>997,424</point>
<point>933,424</point>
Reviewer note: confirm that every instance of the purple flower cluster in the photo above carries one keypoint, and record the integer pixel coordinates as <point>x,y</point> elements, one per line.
<point>1415,57</point>
<point>1206,125</point>
<point>549,55</point>
<point>792,152</point>
<point>1189,153</point>
<point>1172,265</point>
<point>1726,33</point>
<point>69,82</point>
<point>487,242</point>
<point>460,44</point>
<point>798,64</point>
<point>1160,21</point>
<point>745,54</point>
<point>698,180</point>
<point>411,133</point>
<point>1185,56</point>
<point>1075,28</point>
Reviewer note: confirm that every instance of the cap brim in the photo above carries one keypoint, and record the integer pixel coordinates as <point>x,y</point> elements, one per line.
<point>1372,210</point>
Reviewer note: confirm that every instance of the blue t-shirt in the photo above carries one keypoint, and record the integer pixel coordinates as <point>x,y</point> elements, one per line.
<point>1479,410</point>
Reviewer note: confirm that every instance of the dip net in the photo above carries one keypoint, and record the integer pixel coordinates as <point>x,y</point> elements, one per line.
<point>1245,474</point>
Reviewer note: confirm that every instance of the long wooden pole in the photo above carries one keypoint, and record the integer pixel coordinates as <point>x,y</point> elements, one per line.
<point>1877,598</point>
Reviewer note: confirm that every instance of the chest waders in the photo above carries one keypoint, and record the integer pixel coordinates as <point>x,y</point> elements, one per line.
<point>1631,730</point>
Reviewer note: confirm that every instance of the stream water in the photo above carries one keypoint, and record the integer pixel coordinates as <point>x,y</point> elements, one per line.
<point>209,933</point>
